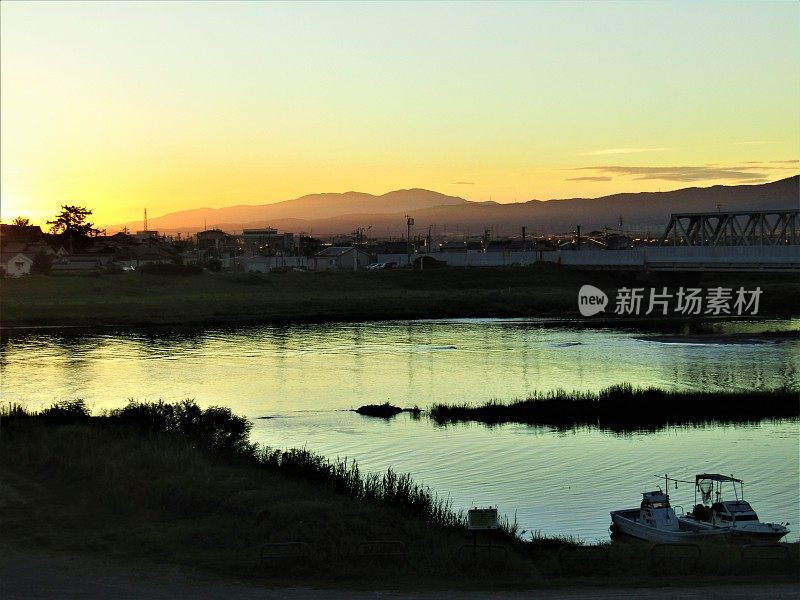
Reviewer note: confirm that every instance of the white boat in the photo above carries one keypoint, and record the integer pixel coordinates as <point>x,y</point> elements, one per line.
<point>655,521</point>
<point>734,517</point>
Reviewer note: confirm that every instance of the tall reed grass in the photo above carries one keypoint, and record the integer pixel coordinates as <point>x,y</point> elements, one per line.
<point>625,408</point>
<point>223,436</point>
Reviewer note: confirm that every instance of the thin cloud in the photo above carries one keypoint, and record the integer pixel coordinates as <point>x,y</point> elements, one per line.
<point>608,151</point>
<point>766,164</point>
<point>597,178</point>
<point>682,174</point>
<point>764,167</point>
<point>463,183</point>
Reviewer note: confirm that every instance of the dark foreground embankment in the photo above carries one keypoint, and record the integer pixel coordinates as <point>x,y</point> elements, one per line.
<point>176,484</point>
<point>622,408</point>
<point>543,290</point>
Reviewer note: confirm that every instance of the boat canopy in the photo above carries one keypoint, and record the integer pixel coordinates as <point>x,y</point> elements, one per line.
<point>657,496</point>
<point>737,506</point>
<point>716,477</point>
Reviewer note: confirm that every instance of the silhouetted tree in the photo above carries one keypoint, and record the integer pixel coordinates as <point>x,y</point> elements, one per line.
<point>309,246</point>
<point>72,225</point>
<point>21,221</point>
<point>42,263</point>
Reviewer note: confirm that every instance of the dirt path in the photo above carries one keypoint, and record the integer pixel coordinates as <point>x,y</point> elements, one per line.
<point>29,574</point>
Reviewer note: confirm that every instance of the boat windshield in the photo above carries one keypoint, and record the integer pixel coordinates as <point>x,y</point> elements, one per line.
<point>659,504</point>
<point>738,507</point>
<point>751,517</point>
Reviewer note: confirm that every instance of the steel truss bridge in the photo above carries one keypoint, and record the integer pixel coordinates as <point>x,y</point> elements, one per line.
<point>741,228</point>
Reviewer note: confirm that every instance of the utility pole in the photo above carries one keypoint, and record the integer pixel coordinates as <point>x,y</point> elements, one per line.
<point>355,250</point>
<point>359,239</point>
<point>524,241</point>
<point>578,238</point>
<point>409,223</point>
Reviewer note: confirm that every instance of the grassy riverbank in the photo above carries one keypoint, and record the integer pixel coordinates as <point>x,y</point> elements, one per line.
<point>136,299</point>
<point>181,485</point>
<point>623,408</point>
<point>175,484</point>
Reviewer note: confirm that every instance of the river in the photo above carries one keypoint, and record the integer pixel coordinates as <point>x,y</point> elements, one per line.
<point>296,383</point>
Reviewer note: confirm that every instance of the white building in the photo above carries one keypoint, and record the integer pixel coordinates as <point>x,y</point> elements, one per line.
<point>338,258</point>
<point>265,264</point>
<point>17,265</point>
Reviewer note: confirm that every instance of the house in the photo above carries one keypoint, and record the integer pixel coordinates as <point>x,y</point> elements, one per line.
<point>392,247</point>
<point>137,256</point>
<point>215,244</point>
<point>146,235</point>
<point>338,258</point>
<point>81,262</point>
<point>121,237</point>
<point>265,264</point>
<point>27,234</point>
<point>10,248</point>
<point>211,238</point>
<point>16,264</point>
<point>470,247</point>
<point>76,263</point>
<point>46,249</point>
<point>266,242</point>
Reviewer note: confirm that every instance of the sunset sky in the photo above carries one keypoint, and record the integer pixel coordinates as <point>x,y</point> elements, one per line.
<point>120,106</point>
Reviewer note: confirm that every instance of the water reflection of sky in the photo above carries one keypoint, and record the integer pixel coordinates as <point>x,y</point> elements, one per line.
<point>559,482</point>
<point>276,369</point>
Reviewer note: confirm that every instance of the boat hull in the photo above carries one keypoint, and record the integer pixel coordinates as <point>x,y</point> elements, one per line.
<point>627,523</point>
<point>762,533</point>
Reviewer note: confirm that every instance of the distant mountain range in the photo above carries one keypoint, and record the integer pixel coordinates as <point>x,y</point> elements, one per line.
<point>332,214</point>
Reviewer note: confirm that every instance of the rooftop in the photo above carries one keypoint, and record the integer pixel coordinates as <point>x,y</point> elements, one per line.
<point>337,251</point>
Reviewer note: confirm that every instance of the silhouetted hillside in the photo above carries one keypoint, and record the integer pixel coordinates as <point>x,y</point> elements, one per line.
<point>638,210</point>
<point>312,206</point>
<point>342,213</point>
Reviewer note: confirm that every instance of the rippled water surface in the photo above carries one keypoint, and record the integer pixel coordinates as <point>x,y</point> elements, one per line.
<point>305,377</point>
